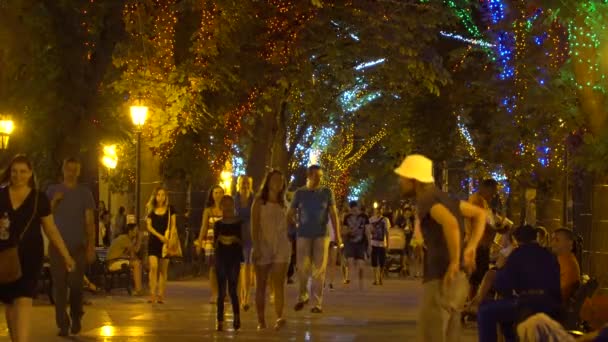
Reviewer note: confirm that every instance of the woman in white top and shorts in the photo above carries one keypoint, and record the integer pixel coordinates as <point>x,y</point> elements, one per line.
<point>271,245</point>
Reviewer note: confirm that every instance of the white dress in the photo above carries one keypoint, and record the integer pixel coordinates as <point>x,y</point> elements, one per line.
<point>274,244</point>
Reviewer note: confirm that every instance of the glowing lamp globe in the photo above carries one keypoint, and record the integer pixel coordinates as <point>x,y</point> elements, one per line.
<point>139,114</point>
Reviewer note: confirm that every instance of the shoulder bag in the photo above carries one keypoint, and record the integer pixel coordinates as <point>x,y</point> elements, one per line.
<point>10,264</point>
<point>173,247</point>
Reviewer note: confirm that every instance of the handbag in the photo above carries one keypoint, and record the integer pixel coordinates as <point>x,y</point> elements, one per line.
<point>10,264</point>
<point>173,248</point>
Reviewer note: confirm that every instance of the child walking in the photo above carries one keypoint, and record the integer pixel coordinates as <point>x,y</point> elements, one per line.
<point>228,259</point>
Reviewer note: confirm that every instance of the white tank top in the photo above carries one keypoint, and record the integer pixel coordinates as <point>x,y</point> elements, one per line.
<point>273,222</point>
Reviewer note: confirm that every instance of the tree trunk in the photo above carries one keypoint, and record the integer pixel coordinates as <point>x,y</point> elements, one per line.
<point>550,208</point>
<point>261,144</point>
<point>279,157</point>
<point>596,256</point>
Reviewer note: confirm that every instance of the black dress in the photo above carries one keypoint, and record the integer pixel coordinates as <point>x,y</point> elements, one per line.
<point>160,224</point>
<point>31,247</point>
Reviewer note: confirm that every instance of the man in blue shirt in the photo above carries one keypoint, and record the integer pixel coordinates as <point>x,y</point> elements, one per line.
<point>528,284</point>
<point>314,205</point>
<point>72,205</point>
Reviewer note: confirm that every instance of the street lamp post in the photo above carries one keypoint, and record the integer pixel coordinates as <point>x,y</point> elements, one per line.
<point>109,160</point>
<point>6,128</point>
<point>139,113</point>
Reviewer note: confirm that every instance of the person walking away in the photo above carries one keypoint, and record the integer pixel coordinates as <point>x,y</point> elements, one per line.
<point>123,251</point>
<point>378,236</point>
<point>315,203</point>
<point>23,209</point>
<point>562,245</point>
<point>161,218</point>
<point>73,209</point>
<point>211,214</point>
<point>228,259</point>
<point>272,248</point>
<point>120,222</point>
<point>355,239</point>
<point>445,284</point>
<point>243,201</point>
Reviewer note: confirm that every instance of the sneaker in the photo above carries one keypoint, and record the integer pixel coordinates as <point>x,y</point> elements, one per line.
<point>290,281</point>
<point>246,307</point>
<point>317,309</point>
<point>346,281</point>
<point>219,326</point>
<point>261,326</point>
<point>331,286</point>
<point>375,283</point>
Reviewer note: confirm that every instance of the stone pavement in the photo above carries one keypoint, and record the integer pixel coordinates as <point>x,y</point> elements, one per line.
<point>386,313</point>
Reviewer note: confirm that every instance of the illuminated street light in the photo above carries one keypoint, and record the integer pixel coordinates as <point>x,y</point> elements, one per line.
<point>139,114</point>
<point>375,205</point>
<point>6,128</point>
<point>109,160</point>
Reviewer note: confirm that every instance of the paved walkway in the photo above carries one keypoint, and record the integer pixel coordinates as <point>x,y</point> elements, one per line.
<point>386,313</point>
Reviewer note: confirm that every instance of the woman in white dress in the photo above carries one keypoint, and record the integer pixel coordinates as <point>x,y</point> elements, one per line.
<point>271,245</point>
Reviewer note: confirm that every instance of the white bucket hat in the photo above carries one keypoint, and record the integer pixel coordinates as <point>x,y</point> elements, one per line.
<point>418,167</point>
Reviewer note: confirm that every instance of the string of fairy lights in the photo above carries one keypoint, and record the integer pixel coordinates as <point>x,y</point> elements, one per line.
<point>508,49</point>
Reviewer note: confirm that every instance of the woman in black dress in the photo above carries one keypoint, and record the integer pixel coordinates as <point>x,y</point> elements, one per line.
<point>21,203</point>
<point>228,259</point>
<point>160,218</point>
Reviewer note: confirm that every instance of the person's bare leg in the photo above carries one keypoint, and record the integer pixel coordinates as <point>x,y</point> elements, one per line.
<point>278,276</point>
<point>261,273</point>
<point>163,270</point>
<point>136,264</point>
<point>153,277</point>
<point>21,316</point>
<point>360,265</point>
<point>350,267</point>
<point>9,313</point>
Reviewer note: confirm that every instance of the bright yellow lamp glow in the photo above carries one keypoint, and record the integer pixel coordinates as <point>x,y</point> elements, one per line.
<point>109,162</point>
<point>226,177</point>
<point>107,331</point>
<point>139,114</point>
<point>110,158</point>
<point>375,205</point>
<point>6,127</point>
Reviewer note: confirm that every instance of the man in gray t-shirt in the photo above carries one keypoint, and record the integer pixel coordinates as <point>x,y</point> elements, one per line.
<point>445,284</point>
<point>73,210</point>
<point>313,204</point>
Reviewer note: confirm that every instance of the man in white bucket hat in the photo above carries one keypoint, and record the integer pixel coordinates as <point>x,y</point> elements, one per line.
<point>445,283</point>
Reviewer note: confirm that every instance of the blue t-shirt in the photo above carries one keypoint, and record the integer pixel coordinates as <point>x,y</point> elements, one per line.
<point>70,213</point>
<point>313,206</point>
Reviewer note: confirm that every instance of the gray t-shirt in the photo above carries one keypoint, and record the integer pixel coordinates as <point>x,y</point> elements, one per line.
<point>313,206</point>
<point>70,213</point>
<point>437,256</point>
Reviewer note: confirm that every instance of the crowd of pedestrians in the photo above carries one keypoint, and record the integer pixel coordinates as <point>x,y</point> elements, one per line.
<point>470,258</point>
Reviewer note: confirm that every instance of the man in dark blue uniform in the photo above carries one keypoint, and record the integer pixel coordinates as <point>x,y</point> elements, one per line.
<point>527,284</point>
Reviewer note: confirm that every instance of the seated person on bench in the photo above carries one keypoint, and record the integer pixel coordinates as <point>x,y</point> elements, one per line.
<point>124,251</point>
<point>562,245</point>
<point>528,283</point>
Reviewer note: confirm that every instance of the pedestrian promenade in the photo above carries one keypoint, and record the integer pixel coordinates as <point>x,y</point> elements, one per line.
<point>386,313</point>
